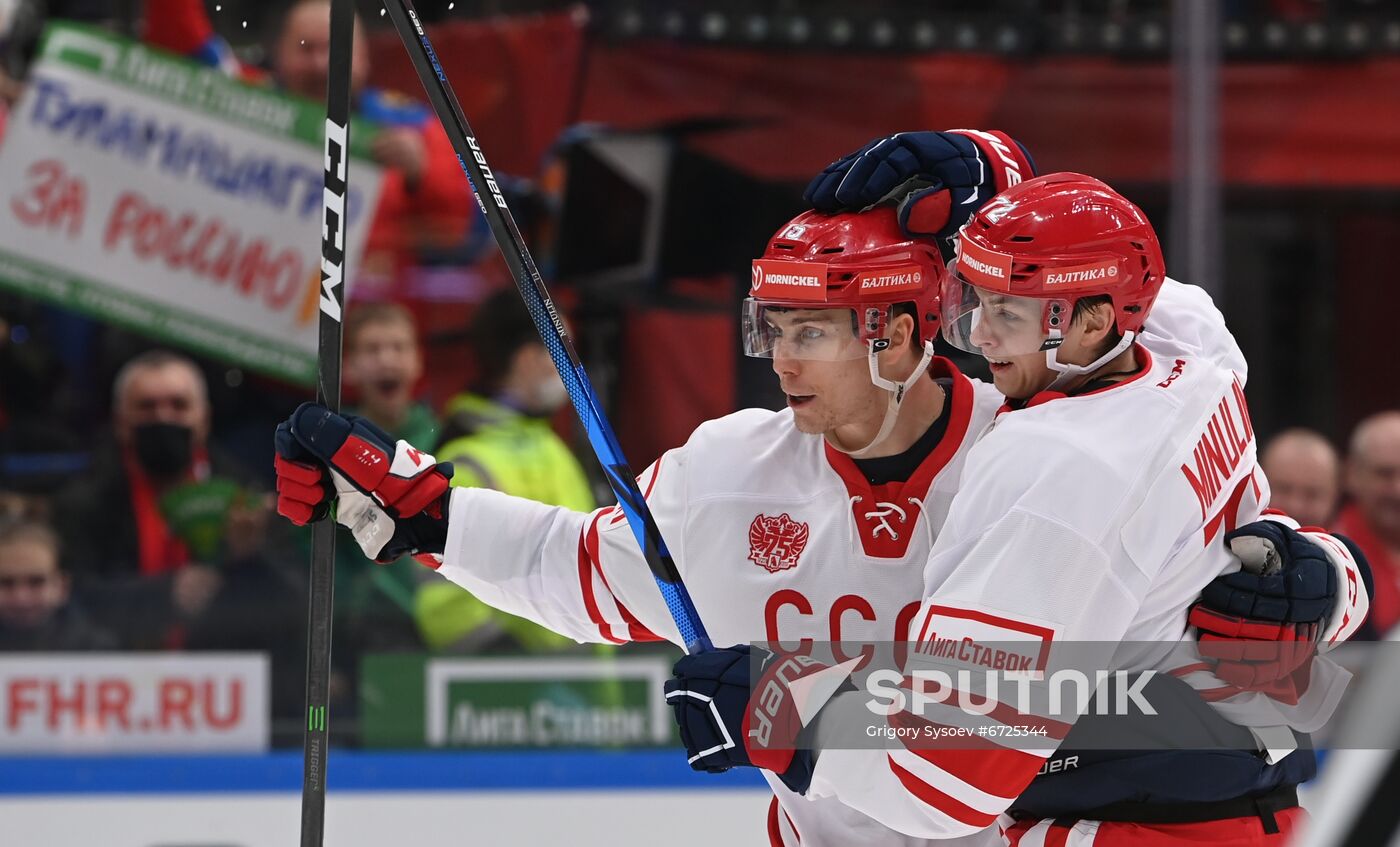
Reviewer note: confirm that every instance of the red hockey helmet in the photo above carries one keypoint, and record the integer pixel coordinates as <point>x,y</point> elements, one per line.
<point>1030,253</point>
<point>857,261</point>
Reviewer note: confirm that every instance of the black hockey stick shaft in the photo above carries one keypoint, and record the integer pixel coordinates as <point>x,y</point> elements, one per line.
<point>328,350</point>
<point>547,321</point>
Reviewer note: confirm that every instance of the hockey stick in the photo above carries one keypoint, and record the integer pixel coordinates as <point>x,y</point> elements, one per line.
<point>320,604</point>
<point>550,326</point>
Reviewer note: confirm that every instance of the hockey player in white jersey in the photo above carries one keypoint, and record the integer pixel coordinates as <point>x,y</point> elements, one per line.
<point>1100,494</point>
<point>812,523</point>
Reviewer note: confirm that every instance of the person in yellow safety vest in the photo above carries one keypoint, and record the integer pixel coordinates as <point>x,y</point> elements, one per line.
<point>500,437</point>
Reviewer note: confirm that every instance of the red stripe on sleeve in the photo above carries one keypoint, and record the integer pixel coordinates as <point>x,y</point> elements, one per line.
<point>1225,692</point>
<point>955,809</point>
<point>1058,836</point>
<point>1003,772</point>
<point>1017,831</point>
<point>979,762</point>
<point>775,834</point>
<point>635,630</point>
<point>792,826</point>
<point>585,581</point>
<point>655,472</point>
<point>651,483</point>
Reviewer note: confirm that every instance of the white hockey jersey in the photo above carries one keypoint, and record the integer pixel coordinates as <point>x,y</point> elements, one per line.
<point>1094,518</point>
<point>780,538</point>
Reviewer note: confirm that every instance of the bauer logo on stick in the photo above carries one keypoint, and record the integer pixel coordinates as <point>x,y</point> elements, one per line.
<point>486,172</point>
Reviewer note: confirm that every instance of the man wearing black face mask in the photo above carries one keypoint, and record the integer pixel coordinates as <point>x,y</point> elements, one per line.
<point>149,577</point>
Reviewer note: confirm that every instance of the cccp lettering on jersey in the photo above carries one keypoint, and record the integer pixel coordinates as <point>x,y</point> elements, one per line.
<point>788,614</point>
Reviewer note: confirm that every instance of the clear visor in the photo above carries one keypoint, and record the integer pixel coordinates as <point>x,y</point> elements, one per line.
<point>795,332</point>
<point>997,325</point>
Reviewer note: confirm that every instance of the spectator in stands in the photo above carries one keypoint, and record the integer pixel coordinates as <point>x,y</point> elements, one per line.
<point>1372,518</point>
<point>425,203</point>
<point>375,603</point>
<point>118,538</point>
<point>36,609</point>
<point>168,540</point>
<point>383,363</point>
<point>163,525</point>
<point>1304,474</point>
<point>499,436</point>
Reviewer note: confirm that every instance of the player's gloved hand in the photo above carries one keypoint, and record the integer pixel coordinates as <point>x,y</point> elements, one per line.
<point>304,490</point>
<point>1296,590</point>
<point>936,179</point>
<point>727,720</point>
<point>390,495</point>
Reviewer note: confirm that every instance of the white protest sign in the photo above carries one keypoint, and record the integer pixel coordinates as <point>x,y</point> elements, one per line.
<point>156,193</point>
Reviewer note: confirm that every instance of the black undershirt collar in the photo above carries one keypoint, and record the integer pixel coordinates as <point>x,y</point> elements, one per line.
<point>901,466</point>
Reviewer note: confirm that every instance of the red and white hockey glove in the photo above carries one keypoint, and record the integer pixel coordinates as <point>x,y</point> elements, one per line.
<point>390,495</point>
<point>935,179</point>
<point>1298,592</point>
<point>727,719</point>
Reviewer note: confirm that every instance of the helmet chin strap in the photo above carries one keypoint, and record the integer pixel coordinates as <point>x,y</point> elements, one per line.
<point>897,390</point>
<point>1068,373</point>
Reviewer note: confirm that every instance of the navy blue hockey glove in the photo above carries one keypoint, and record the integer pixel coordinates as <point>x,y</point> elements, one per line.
<point>936,179</point>
<point>1285,578</point>
<point>1295,590</point>
<point>728,721</point>
<point>390,495</point>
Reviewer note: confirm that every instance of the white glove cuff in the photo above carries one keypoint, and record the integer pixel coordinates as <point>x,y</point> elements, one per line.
<point>368,523</point>
<point>1349,612</point>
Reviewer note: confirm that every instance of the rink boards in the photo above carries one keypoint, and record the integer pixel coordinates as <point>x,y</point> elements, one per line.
<point>374,799</point>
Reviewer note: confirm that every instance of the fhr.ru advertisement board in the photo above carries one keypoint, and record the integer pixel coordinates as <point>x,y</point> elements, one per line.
<point>96,703</point>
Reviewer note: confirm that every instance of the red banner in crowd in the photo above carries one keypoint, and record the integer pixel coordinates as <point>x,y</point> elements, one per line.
<point>522,80</point>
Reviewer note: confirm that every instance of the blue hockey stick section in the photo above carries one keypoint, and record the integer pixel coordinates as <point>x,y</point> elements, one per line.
<point>547,322</point>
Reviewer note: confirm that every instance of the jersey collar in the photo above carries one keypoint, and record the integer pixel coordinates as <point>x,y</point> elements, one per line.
<point>1141,357</point>
<point>882,539</point>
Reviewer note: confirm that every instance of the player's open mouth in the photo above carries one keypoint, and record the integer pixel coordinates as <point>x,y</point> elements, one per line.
<point>795,400</point>
<point>997,365</point>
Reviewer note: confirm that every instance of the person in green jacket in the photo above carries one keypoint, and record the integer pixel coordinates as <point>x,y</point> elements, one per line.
<point>499,436</point>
